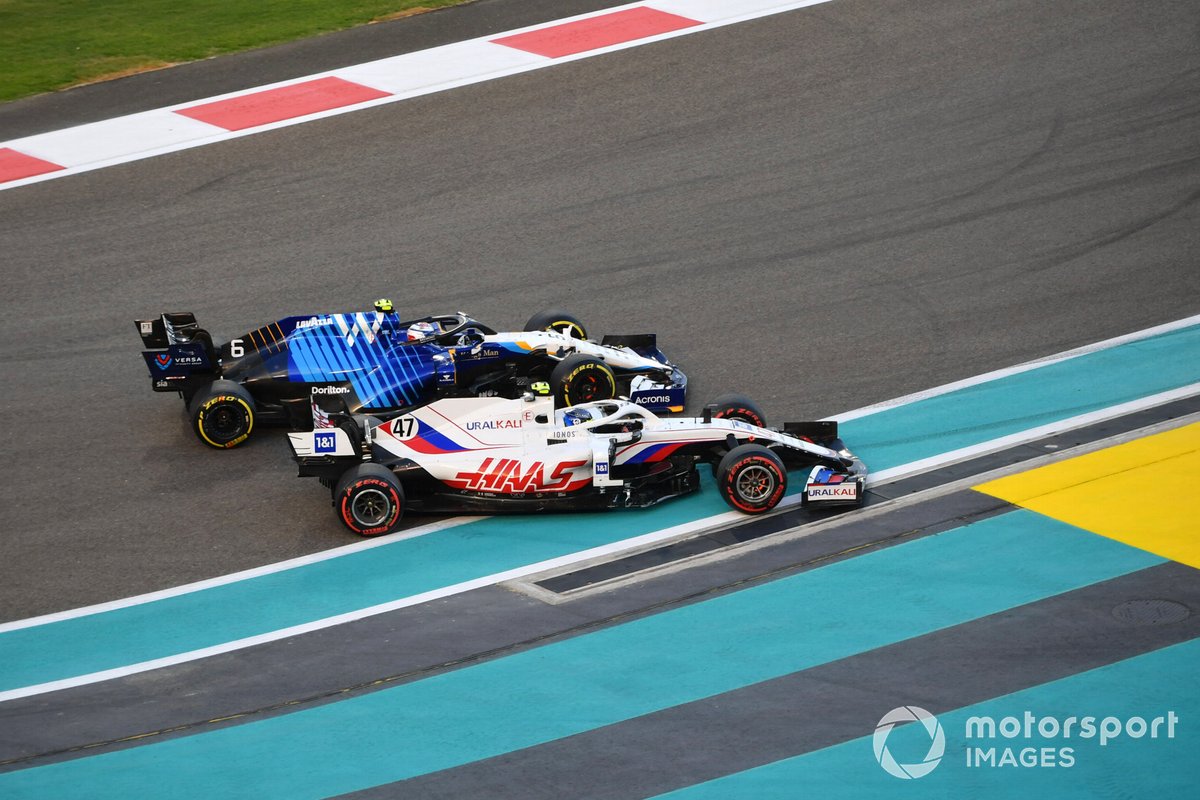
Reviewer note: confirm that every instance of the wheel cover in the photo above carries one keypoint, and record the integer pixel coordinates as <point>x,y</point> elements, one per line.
<point>370,507</point>
<point>755,483</point>
<point>224,422</point>
<point>588,388</point>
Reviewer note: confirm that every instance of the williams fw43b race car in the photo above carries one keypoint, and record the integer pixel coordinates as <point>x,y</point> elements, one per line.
<point>493,455</point>
<point>375,363</point>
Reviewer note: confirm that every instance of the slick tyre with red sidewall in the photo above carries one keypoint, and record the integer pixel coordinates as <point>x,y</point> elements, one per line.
<point>739,407</point>
<point>582,379</point>
<point>222,415</point>
<point>752,479</point>
<point>369,500</point>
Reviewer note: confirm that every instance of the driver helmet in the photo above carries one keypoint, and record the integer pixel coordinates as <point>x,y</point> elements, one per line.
<point>576,416</point>
<point>421,330</point>
<point>385,306</point>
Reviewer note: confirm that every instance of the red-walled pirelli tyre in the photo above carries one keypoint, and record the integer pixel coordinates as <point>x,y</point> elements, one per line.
<point>222,415</point>
<point>582,379</point>
<point>740,407</point>
<point>369,500</point>
<point>752,479</point>
<point>558,321</point>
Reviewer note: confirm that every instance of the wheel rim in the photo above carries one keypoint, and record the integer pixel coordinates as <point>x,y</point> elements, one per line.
<point>755,483</point>
<point>567,329</point>
<point>370,507</point>
<point>586,389</point>
<point>224,422</point>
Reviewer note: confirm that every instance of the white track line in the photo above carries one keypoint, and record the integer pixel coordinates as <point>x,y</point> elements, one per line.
<point>151,133</point>
<point>987,377</point>
<point>234,577</point>
<point>958,455</point>
<point>612,548</point>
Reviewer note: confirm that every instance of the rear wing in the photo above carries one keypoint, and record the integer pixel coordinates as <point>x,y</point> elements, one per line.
<point>177,349</point>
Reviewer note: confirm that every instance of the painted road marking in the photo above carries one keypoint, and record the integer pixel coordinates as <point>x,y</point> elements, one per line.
<point>286,102</point>
<point>887,472</point>
<point>15,165</point>
<point>1145,686</point>
<point>567,687</point>
<point>170,630</point>
<point>397,78</point>
<point>593,33</point>
<point>1145,493</point>
<point>1027,399</point>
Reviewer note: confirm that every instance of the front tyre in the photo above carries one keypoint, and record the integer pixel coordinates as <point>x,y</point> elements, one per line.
<point>557,321</point>
<point>369,500</point>
<point>222,414</point>
<point>581,379</point>
<point>752,479</point>
<point>739,407</point>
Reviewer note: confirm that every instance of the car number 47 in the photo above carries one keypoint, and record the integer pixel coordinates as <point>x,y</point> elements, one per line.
<point>404,427</point>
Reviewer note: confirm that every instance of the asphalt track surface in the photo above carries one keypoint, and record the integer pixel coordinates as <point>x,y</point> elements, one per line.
<point>824,209</point>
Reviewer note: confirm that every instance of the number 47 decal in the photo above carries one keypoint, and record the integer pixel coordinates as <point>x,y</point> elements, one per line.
<point>404,427</point>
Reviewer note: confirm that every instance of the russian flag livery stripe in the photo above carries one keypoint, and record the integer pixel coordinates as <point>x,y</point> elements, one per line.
<point>654,452</point>
<point>432,442</point>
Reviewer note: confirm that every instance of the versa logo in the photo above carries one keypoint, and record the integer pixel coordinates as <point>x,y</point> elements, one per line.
<point>162,360</point>
<point>505,475</point>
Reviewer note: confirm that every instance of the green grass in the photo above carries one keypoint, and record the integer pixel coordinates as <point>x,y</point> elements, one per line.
<point>52,44</point>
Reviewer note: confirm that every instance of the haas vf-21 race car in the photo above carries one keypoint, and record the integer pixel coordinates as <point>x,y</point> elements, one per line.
<point>375,363</point>
<point>491,455</point>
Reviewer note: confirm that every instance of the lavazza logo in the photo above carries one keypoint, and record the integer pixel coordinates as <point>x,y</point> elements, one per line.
<point>1020,741</point>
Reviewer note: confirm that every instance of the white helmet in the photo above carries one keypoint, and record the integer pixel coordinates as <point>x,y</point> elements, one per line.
<point>421,330</point>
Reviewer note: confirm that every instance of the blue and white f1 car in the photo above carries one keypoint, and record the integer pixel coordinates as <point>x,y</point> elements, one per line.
<point>375,363</point>
<point>489,455</point>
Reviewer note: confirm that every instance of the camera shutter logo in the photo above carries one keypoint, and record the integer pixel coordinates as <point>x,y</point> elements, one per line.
<point>937,742</point>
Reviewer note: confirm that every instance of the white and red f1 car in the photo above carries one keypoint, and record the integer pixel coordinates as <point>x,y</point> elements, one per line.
<point>492,455</point>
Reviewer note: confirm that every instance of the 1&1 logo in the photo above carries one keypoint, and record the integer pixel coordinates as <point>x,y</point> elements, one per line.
<point>937,742</point>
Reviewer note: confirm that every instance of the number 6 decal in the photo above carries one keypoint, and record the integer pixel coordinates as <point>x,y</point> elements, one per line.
<point>235,348</point>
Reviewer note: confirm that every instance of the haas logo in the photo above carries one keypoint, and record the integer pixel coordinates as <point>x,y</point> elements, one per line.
<point>509,476</point>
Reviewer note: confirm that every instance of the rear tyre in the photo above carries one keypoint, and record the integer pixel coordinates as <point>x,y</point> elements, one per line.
<point>369,500</point>
<point>582,379</point>
<point>739,407</point>
<point>752,479</point>
<point>205,338</point>
<point>558,321</point>
<point>222,414</point>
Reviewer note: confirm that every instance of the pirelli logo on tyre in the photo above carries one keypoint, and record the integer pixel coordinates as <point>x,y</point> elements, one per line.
<point>584,369</point>
<point>370,506</point>
<point>219,406</point>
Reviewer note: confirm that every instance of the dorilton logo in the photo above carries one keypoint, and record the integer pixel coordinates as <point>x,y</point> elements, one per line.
<point>331,390</point>
<point>937,742</point>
